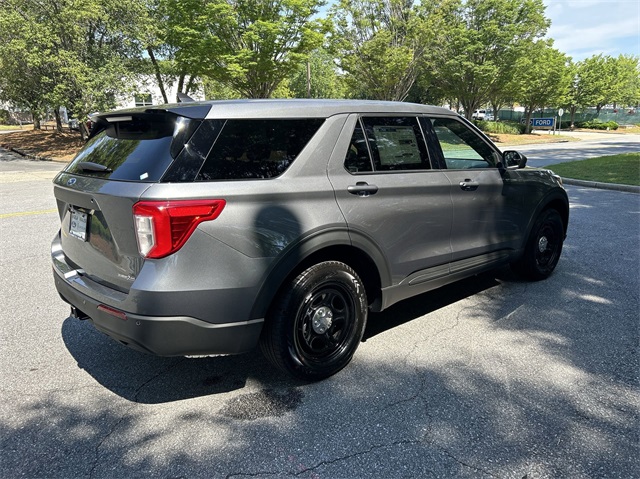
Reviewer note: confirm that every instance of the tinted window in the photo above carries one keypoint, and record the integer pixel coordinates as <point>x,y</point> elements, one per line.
<point>248,149</point>
<point>138,149</point>
<point>396,143</point>
<point>459,146</point>
<point>195,151</point>
<point>358,158</point>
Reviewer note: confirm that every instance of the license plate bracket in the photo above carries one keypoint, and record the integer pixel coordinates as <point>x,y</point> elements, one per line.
<point>78,223</point>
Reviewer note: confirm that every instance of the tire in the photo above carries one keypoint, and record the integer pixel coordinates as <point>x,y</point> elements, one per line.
<point>543,247</point>
<point>317,322</point>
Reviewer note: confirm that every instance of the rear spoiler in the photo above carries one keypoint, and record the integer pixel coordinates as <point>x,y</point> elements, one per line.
<point>193,111</point>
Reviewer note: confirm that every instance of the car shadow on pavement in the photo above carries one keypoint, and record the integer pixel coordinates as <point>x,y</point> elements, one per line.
<point>148,379</point>
<point>426,303</point>
<point>144,378</point>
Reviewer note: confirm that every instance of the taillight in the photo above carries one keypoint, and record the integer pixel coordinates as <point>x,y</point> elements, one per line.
<point>163,227</point>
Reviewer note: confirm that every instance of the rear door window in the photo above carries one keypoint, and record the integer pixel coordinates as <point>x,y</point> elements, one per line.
<point>387,144</point>
<point>256,149</point>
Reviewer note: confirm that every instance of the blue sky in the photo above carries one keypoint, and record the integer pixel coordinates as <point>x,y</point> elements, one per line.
<point>582,28</point>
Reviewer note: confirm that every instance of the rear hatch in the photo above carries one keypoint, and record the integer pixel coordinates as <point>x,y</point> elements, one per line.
<point>126,153</point>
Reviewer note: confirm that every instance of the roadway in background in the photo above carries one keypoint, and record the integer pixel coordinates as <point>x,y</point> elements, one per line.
<point>591,145</point>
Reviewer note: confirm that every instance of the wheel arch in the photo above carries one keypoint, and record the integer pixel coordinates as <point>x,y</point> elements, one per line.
<point>556,199</point>
<point>366,259</point>
<point>562,207</point>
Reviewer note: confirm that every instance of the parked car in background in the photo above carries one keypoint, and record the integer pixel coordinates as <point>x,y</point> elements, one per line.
<point>212,227</point>
<point>482,115</point>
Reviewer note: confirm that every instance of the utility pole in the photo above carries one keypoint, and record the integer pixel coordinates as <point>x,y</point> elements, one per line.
<point>308,79</point>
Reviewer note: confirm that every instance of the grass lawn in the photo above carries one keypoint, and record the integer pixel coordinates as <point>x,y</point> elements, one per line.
<point>622,169</point>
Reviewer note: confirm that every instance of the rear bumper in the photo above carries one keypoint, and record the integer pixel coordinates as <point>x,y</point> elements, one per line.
<point>164,336</point>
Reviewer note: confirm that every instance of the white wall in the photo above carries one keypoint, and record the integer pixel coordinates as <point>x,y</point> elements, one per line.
<point>148,84</point>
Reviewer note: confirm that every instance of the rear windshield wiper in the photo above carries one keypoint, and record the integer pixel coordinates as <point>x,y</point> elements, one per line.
<point>90,166</point>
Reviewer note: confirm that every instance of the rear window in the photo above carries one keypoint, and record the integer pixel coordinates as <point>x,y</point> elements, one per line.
<point>256,149</point>
<point>151,148</point>
<point>133,148</point>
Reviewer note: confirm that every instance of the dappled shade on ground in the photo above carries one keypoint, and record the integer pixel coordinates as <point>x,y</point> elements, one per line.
<point>48,144</point>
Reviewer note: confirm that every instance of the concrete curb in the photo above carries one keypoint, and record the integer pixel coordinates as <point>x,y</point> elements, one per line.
<point>602,186</point>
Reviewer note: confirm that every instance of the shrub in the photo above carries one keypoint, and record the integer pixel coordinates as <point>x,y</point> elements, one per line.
<point>500,127</point>
<point>597,125</point>
<point>4,117</point>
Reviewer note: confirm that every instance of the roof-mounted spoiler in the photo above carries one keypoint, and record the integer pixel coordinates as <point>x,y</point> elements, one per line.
<point>184,98</point>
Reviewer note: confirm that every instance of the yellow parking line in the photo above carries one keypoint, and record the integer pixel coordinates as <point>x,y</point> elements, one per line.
<point>27,213</point>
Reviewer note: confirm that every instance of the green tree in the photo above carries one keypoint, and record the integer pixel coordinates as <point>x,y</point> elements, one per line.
<point>325,82</point>
<point>183,54</point>
<point>379,45</point>
<point>475,52</point>
<point>544,78</point>
<point>249,45</point>
<point>626,90</point>
<point>573,98</point>
<point>24,73</point>
<point>73,51</point>
<point>601,80</point>
<point>595,81</point>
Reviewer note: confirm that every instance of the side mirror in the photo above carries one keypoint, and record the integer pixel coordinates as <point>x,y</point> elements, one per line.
<point>514,158</point>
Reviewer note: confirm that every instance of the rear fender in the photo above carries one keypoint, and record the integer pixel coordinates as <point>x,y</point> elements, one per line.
<point>308,249</point>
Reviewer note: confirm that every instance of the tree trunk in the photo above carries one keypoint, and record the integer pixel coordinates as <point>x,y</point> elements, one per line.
<point>527,121</point>
<point>56,112</point>
<point>572,110</point>
<point>180,85</point>
<point>190,84</point>
<point>469,107</point>
<point>36,122</point>
<point>156,69</point>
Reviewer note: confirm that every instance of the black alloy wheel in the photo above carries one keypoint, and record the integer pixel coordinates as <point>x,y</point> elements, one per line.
<point>543,248</point>
<point>318,323</point>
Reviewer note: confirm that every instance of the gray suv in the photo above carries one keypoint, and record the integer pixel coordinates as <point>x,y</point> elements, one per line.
<point>212,227</point>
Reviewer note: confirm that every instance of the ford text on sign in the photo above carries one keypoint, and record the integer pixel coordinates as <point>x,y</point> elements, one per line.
<point>542,122</point>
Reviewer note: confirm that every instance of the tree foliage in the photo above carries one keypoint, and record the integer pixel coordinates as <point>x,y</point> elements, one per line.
<point>250,45</point>
<point>601,80</point>
<point>543,77</point>
<point>380,45</point>
<point>480,41</point>
<point>627,81</point>
<point>325,82</point>
<point>84,54</point>
<point>70,52</point>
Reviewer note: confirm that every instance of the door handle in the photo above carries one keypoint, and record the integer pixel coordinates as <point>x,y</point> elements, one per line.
<point>362,188</point>
<point>468,185</point>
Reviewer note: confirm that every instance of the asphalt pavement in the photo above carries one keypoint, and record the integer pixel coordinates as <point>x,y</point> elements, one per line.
<point>489,377</point>
<point>591,145</point>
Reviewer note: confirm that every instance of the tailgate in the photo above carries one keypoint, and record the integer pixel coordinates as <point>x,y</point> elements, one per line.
<point>97,231</point>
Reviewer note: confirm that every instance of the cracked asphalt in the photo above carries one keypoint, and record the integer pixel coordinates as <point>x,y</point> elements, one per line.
<point>489,377</point>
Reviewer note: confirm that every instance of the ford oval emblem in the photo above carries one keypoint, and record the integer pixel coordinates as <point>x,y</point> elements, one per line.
<point>71,182</point>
